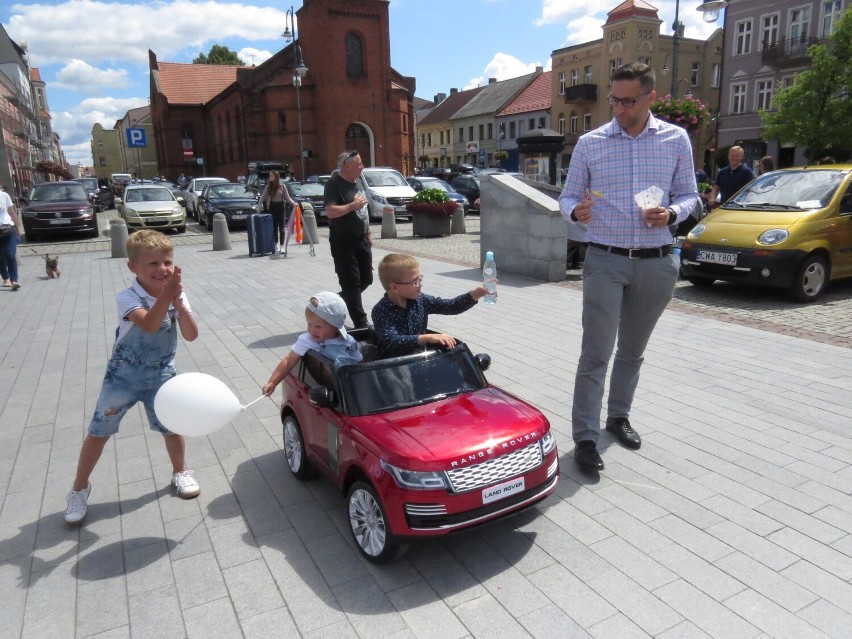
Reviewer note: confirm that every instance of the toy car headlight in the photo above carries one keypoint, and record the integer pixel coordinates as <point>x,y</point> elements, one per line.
<point>416,480</point>
<point>772,236</point>
<point>696,232</point>
<point>548,443</point>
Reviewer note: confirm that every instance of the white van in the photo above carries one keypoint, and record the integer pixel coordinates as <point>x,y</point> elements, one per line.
<point>386,188</point>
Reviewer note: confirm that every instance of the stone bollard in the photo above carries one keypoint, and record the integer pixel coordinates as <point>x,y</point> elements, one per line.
<point>309,225</point>
<point>118,237</point>
<point>458,227</point>
<point>388,224</point>
<point>221,236</point>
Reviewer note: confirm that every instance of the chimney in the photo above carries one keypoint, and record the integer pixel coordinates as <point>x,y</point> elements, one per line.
<point>440,97</point>
<point>492,80</point>
<point>453,91</point>
<point>539,69</point>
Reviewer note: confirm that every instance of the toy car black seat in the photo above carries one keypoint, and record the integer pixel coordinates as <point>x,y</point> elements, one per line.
<point>319,368</point>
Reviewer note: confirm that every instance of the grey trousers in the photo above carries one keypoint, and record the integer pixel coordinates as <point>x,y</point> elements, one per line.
<point>622,298</point>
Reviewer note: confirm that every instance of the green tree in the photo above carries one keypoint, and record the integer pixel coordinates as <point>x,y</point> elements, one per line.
<point>219,54</point>
<point>815,111</point>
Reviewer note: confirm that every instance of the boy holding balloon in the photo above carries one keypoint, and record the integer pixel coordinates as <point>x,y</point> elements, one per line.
<point>150,312</point>
<point>325,314</point>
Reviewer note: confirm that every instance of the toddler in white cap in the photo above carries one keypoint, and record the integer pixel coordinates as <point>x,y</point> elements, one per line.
<point>325,313</point>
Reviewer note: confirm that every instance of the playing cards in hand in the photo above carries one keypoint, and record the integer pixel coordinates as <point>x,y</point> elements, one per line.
<point>650,198</point>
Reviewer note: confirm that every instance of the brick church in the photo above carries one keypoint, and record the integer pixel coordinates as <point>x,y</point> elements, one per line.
<point>350,98</point>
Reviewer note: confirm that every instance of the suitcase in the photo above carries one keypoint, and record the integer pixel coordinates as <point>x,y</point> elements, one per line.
<point>260,241</point>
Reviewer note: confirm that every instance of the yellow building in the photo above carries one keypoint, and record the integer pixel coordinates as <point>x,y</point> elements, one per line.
<point>632,34</point>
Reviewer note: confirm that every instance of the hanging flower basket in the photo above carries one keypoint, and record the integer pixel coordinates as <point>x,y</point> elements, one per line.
<point>687,112</point>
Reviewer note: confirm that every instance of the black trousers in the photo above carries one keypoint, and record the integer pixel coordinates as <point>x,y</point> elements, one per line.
<point>276,209</point>
<point>353,263</point>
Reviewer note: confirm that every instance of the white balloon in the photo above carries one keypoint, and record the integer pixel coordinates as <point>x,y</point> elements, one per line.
<point>195,404</point>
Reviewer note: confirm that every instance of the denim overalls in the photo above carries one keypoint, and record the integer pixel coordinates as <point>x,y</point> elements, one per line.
<point>140,364</point>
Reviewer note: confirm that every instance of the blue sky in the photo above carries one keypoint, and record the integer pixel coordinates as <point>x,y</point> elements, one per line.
<point>93,55</point>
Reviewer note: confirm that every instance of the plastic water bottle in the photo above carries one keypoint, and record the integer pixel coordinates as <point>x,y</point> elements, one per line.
<point>489,278</point>
<point>675,255</point>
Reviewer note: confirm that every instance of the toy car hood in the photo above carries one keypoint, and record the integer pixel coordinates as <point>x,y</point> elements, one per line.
<point>438,435</point>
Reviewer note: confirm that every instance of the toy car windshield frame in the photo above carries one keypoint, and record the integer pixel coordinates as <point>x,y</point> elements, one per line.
<point>385,385</point>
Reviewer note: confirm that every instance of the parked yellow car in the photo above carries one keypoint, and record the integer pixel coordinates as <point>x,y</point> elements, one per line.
<point>786,229</point>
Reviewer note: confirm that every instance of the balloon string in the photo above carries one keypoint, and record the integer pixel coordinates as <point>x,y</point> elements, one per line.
<point>254,402</point>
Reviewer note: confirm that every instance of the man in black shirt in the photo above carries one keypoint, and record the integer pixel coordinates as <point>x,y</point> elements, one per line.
<point>349,237</point>
<point>732,178</point>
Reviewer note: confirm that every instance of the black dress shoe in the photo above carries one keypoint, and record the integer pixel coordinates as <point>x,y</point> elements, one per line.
<point>587,457</point>
<point>624,433</point>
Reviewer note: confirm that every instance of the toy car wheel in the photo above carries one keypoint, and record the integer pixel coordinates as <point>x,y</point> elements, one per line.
<point>368,523</point>
<point>294,448</point>
<point>810,279</point>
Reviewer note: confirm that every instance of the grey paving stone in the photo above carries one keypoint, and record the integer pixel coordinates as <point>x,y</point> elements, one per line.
<point>618,626</point>
<point>93,614</point>
<point>752,545</point>
<point>275,623</point>
<point>700,542</point>
<point>702,610</point>
<point>199,580</point>
<point>639,605</point>
<point>368,609</point>
<point>800,521</point>
<point>770,617</point>
<point>642,568</point>
<point>156,613</point>
<point>828,618</point>
<point>485,617</point>
<point>425,613</point>
<point>551,621</point>
<point>252,589</point>
<point>234,544</point>
<point>212,620</point>
<point>818,554</point>
<point>698,572</point>
<point>766,582</point>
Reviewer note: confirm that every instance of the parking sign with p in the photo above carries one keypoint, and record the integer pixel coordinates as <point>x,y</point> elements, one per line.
<point>136,138</point>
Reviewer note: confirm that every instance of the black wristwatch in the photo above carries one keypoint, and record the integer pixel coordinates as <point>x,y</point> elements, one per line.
<point>672,215</point>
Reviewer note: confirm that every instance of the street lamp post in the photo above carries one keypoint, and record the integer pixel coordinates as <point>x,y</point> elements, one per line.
<point>299,71</point>
<point>710,9</point>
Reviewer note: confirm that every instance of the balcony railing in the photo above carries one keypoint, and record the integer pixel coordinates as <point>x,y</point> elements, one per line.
<point>581,93</point>
<point>790,52</point>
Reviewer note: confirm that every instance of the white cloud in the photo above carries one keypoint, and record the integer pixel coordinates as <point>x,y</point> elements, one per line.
<point>252,56</point>
<point>100,31</point>
<point>503,67</point>
<point>83,77</point>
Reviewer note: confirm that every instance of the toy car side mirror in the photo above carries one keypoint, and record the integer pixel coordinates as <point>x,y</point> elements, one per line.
<point>484,361</point>
<point>321,396</point>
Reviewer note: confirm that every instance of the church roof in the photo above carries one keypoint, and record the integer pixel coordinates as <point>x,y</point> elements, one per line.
<point>194,83</point>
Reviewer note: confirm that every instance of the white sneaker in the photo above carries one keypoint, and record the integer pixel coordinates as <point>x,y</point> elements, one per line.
<point>78,505</point>
<point>277,247</point>
<point>186,486</point>
<point>283,250</point>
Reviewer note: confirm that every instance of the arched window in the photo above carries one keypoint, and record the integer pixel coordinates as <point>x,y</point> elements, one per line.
<point>354,55</point>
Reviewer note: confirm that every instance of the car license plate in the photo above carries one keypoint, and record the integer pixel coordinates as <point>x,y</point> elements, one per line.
<point>501,491</point>
<point>60,220</point>
<point>238,217</point>
<point>717,257</point>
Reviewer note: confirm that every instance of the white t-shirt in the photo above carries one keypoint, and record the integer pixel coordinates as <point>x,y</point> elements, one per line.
<point>129,300</point>
<point>340,351</point>
<point>5,204</point>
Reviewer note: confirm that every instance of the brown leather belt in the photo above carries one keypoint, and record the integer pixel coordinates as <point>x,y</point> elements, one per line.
<point>635,253</point>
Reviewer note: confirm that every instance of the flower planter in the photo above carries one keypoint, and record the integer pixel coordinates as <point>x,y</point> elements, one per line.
<point>430,225</point>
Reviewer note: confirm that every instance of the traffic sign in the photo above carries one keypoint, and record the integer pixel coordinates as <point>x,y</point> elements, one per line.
<point>136,138</point>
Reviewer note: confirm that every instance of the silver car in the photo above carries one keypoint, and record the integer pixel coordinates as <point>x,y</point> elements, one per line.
<point>151,206</point>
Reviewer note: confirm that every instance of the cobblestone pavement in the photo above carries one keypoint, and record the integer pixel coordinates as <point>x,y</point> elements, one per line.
<point>825,321</point>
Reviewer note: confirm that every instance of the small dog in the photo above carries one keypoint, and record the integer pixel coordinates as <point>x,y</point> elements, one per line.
<point>51,266</point>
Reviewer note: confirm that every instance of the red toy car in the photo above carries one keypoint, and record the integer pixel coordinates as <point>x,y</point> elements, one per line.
<point>420,444</point>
